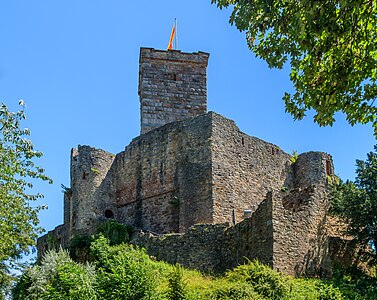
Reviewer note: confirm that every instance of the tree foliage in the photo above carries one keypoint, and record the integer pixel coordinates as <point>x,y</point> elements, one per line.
<point>58,277</point>
<point>18,217</point>
<point>330,46</point>
<point>356,202</point>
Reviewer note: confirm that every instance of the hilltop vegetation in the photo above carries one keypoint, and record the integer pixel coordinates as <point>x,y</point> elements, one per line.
<point>124,272</point>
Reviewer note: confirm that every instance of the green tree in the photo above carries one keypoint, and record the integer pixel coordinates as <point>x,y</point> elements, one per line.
<point>356,202</point>
<point>330,46</point>
<point>57,277</point>
<point>18,217</point>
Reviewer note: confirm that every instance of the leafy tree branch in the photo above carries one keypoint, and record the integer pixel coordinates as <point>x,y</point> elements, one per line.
<point>330,46</point>
<point>18,216</point>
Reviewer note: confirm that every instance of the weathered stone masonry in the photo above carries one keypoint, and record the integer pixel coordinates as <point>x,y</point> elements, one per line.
<point>172,86</point>
<point>165,173</point>
<point>191,167</point>
<point>287,231</point>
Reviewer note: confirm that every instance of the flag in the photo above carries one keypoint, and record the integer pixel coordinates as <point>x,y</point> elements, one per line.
<point>170,45</point>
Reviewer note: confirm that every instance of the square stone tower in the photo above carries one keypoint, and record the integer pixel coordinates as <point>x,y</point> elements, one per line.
<point>172,86</point>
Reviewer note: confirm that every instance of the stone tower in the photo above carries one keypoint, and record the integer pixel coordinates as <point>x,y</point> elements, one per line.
<point>172,86</point>
<point>89,198</point>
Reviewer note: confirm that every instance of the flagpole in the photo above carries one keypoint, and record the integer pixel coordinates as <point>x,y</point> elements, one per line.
<point>176,34</point>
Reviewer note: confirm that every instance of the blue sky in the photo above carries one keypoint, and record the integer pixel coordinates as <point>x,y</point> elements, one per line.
<point>75,64</point>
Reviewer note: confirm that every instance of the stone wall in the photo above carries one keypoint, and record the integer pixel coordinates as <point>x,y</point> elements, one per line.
<point>300,240</point>
<point>144,177</point>
<point>200,170</point>
<point>53,240</point>
<point>293,242</point>
<point>199,248</point>
<point>172,86</point>
<point>245,168</point>
<point>299,218</point>
<point>287,230</point>
<point>204,170</point>
<point>250,239</point>
<point>163,178</point>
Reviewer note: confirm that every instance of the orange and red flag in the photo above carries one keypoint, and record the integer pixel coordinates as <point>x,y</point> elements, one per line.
<point>170,45</point>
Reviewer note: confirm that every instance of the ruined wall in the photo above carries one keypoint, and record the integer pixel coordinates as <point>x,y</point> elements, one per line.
<point>301,245</point>
<point>245,168</point>
<point>289,242</point>
<point>313,168</point>
<point>172,86</point>
<point>213,248</point>
<point>194,171</point>
<point>250,239</point>
<point>199,248</point>
<point>90,195</point>
<point>163,178</point>
<point>287,230</point>
<point>299,219</point>
<point>53,240</point>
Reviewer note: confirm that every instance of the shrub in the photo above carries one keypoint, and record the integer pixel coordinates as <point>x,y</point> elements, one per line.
<point>177,286</point>
<point>126,272</point>
<point>328,292</point>
<point>79,248</point>
<point>73,281</point>
<point>354,283</point>
<point>115,232</point>
<point>58,277</point>
<point>263,279</point>
<point>236,290</point>
<point>123,272</point>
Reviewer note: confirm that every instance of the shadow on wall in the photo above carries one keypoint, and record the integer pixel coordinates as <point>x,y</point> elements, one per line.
<point>316,261</point>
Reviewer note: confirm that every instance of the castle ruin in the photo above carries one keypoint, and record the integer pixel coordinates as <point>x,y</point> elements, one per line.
<point>198,190</point>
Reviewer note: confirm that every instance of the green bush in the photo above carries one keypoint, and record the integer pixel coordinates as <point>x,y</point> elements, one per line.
<point>263,279</point>
<point>73,281</point>
<point>328,292</point>
<point>58,277</point>
<point>177,286</point>
<point>236,290</point>
<point>115,232</point>
<point>355,284</point>
<point>79,247</point>
<point>123,272</point>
